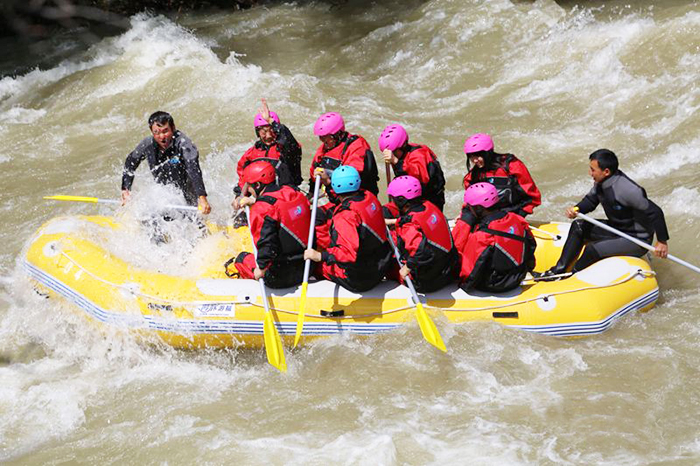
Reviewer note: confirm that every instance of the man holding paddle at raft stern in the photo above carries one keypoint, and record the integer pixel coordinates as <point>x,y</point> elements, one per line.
<point>172,158</point>
<point>628,209</point>
<point>279,223</point>
<point>277,145</point>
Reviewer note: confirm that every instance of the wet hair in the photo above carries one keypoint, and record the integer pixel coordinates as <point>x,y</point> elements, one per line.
<point>161,118</point>
<point>606,159</point>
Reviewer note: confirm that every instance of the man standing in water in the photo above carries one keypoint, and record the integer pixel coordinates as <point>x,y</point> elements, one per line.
<point>628,210</point>
<point>172,158</point>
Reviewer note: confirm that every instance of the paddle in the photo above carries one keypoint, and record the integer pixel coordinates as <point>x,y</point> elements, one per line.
<point>635,240</point>
<point>307,264</point>
<point>427,326</point>
<point>273,342</point>
<point>95,200</point>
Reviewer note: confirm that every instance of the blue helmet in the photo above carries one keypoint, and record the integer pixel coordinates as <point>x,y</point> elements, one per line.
<point>345,179</point>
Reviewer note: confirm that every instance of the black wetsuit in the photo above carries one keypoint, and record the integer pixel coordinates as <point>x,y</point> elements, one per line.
<point>178,165</point>
<point>628,209</point>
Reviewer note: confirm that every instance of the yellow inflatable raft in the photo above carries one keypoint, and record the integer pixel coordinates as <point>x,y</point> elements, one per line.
<point>211,310</point>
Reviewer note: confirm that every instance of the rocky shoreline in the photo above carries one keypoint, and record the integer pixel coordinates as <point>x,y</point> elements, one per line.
<point>39,19</point>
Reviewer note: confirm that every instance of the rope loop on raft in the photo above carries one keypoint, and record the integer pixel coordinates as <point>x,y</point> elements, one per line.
<point>132,291</point>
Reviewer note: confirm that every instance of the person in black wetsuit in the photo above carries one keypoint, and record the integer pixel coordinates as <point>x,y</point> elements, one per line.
<point>628,209</point>
<point>172,158</point>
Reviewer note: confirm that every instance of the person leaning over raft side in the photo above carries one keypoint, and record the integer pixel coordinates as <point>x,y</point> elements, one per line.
<point>497,247</point>
<point>416,160</point>
<point>628,210</point>
<point>279,217</point>
<point>172,158</point>
<point>275,144</point>
<point>359,252</point>
<point>337,148</point>
<point>423,238</point>
<point>517,191</point>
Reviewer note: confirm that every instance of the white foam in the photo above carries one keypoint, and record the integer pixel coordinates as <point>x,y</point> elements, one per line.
<point>23,116</point>
<point>675,157</point>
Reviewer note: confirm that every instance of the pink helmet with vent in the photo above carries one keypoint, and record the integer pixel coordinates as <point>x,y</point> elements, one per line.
<point>329,123</point>
<point>393,137</point>
<point>406,186</point>
<point>483,194</point>
<point>260,121</point>
<point>477,143</point>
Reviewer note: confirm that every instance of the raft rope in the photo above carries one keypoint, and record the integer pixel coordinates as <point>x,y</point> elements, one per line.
<point>638,272</point>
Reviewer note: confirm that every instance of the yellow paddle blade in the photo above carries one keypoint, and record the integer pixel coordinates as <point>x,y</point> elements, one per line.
<point>72,198</point>
<point>273,344</point>
<point>300,315</point>
<point>428,328</point>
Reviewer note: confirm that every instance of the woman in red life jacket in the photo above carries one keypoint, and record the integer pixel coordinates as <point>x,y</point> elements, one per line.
<point>279,217</point>
<point>414,160</point>
<point>359,252</point>
<point>423,238</point>
<point>276,145</point>
<point>497,247</point>
<point>517,191</point>
<point>338,147</point>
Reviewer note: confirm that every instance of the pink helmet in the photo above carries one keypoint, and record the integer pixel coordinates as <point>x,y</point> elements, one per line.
<point>393,137</point>
<point>483,194</point>
<point>260,121</point>
<point>406,186</point>
<point>329,123</point>
<point>477,143</point>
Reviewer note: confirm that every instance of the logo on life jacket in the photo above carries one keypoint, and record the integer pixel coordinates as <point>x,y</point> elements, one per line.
<point>511,230</point>
<point>433,219</point>
<point>296,211</point>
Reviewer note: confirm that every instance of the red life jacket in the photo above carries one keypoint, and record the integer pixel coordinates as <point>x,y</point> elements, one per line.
<point>498,253</point>
<point>370,211</point>
<point>426,247</point>
<point>287,207</point>
<point>420,162</point>
<point>362,264</point>
<point>513,195</point>
<point>350,151</point>
<point>259,151</point>
<point>433,224</point>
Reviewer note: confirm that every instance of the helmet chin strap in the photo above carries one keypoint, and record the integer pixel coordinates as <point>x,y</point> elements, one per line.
<point>258,188</point>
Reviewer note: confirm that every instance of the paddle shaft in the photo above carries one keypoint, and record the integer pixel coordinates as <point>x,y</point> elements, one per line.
<point>635,240</point>
<point>312,228</point>
<point>95,200</point>
<point>307,264</point>
<point>409,283</point>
